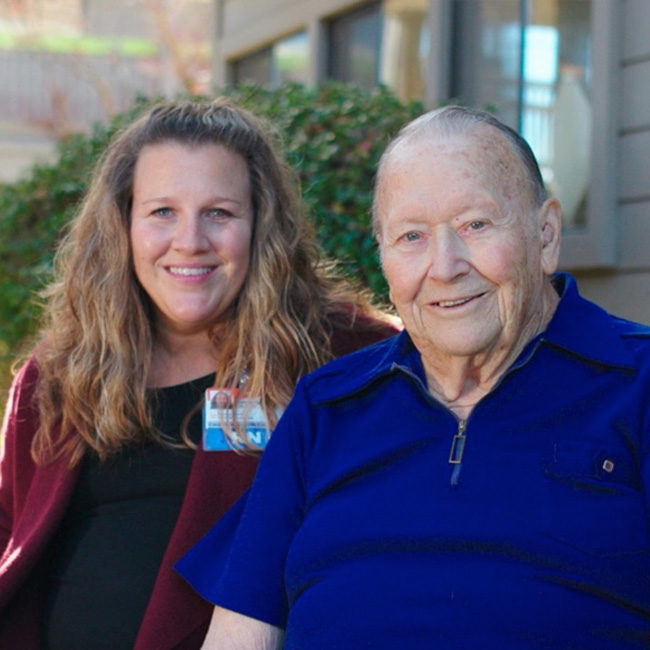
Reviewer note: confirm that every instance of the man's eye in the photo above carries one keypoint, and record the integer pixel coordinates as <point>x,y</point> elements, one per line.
<point>412,236</point>
<point>476,225</point>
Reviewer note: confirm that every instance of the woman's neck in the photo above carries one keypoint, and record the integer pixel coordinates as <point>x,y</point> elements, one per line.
<point>178,359</point>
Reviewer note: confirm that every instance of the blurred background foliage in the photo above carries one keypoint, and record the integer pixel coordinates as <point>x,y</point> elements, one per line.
<point>332,135</point>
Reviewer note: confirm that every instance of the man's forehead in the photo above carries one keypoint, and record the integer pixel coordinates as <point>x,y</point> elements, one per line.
<point>482,151</point>
<point>482,143</point>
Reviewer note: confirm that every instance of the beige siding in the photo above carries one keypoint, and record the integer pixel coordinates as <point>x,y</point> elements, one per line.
<point>625,294</point>
<point>635,83</point>
<point>626,290</point>
<point>634,236</point>
<point>635,166</point>
<point>635,27</point>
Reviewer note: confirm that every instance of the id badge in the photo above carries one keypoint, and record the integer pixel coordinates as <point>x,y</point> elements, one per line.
<point>219,413</point>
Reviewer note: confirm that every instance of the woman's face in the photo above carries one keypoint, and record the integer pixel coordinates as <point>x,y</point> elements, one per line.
<point>191,228</point>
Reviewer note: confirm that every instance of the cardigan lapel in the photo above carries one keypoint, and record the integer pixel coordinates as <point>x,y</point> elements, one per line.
<point>45,504</point>
<point>175,610</point>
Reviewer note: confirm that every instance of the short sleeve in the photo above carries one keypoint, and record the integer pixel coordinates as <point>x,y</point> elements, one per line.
<point>204,563</point>
<point>239,564</point>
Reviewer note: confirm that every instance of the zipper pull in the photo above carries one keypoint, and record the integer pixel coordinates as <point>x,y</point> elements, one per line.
<point>457,450</point>
<point>458,444</point>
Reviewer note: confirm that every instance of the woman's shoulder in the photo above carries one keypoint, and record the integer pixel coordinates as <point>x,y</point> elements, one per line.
<point>24,382</point>
<point>20,417</point>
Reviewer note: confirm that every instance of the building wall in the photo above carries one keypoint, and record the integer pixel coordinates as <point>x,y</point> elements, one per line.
<point>618,276</point>
<point>612,261</point>
<point>244,26</point>
<point>625,289</point>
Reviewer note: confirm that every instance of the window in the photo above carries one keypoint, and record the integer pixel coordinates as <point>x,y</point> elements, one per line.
<point>531,62</point>
<point>385,42</point>
<point>286,60</point>
<point>254,68</point>
<point>355,46</point>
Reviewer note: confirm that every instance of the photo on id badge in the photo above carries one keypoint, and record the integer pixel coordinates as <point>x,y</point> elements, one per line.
<point>223,416</point>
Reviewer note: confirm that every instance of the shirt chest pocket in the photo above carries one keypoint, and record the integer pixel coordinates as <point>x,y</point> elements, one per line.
<point>595,502</point>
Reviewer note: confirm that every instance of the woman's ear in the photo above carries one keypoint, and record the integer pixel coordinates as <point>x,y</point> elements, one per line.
<point>550,230</point>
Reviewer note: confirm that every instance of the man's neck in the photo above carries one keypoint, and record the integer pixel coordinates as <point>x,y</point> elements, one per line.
<point>460,382</point>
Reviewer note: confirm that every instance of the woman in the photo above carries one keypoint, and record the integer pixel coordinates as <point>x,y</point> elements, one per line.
<point>189,267</point>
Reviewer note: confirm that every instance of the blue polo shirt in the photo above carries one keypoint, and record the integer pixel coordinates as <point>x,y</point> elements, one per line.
<point>359,531</point>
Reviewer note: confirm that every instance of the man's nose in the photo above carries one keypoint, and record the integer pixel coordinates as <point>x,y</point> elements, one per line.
<point>448,256</point>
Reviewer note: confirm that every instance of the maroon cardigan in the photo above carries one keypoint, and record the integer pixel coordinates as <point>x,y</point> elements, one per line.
<point>34,498</point>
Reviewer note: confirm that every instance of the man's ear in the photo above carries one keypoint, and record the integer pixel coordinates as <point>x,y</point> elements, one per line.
<point>550,230</point>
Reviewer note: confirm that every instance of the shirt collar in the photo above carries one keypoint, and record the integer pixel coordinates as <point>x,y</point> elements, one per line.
<point>577,326</point>
<point>585,329</point>
<point>355,372</point>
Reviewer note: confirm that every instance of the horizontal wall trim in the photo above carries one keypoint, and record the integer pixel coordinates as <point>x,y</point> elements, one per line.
<point>634,130</point>
<point>635,60</point>
<point>628,200</point>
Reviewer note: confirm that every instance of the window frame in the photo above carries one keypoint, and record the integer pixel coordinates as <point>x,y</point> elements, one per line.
<point>593,245</point>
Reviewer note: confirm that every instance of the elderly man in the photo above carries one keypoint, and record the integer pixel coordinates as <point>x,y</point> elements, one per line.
<point>479,481</point>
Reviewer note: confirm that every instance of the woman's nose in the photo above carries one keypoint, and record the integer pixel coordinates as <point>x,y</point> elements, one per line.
<point>190,235</point>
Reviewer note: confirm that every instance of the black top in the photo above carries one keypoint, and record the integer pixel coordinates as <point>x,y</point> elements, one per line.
<point>106,554</point>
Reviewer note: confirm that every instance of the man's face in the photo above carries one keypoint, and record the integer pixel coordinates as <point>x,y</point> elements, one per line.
<point>462,245</point>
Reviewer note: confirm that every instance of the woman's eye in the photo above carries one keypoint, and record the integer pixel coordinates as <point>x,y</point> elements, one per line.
<point>476,225</point>
<point>411,236</point>
<point>162,212</point>
<point>218,213</point>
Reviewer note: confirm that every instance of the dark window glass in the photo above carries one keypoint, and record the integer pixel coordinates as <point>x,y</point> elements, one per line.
<point>286,60</point>
<point>355,46</point>
<point>254,68</point>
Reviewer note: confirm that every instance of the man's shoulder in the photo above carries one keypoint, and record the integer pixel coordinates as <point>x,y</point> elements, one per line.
<point>635,337</point>
<point>631,329</point>
<point>352,372</point>
<point>585,329</point>
<point>626,343</point>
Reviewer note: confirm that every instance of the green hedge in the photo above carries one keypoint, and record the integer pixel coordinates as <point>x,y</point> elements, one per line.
<point>333,136</point>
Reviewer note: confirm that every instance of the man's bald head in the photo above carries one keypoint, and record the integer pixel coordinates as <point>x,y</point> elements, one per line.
<point>489,132</point>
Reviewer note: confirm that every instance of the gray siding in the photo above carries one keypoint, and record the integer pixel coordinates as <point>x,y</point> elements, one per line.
<point>625,289</point>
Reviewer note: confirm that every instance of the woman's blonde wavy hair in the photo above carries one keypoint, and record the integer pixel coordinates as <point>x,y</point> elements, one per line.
<point>95,346</point>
